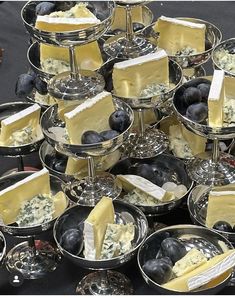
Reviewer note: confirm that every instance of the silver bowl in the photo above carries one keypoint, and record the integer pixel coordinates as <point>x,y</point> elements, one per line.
<point>175,78</point>
<point>228,45</point>
<point>2,248</point>
<point>164,164</point>
<point>74,218</point>
<point>6,110</point>
<point>102,9</point>
<point>32,258</point>
<point>197,206</point>
<point>209,242</point>
<point>53,130</point>
<point>213,37</point>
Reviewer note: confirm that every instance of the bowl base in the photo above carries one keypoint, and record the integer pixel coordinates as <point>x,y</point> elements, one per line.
<point>87,193</point>
<point>117,284</point>
<point>63,86</point>
<point>153,143</point>
<point>204,171</point>
<point>119,46</point>
<point>33,264</point>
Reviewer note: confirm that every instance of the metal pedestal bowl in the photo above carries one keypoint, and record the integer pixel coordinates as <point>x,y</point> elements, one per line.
<point>207,241</point>
<point>32,258</point>
<point>103,281</point>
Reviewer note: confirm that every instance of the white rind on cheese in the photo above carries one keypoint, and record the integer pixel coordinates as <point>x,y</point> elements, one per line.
<point>224,193</point>
<point>216,85</point>
<point>182,22</point>
<point>21,114</point>
<point>87,104</point>
<point>137,61</point>
<point>27,179</point>
<point>90,250</point>
<point>64,20</point>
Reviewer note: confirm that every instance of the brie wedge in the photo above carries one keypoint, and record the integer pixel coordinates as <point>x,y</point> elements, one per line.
<point>132,77</point>
<point>177,35</point>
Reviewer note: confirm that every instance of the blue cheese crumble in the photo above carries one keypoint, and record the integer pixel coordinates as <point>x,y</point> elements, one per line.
<point>54,66</point>
<point>22,137</point>
<point>225,60</point>
<point>137,197</point>
<point>36,211</point>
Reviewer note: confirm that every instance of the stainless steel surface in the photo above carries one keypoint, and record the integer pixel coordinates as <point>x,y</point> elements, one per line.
<point>207,241</point>
<point>7,110</point>
<point>53,130</point>
<point>228,44</point>
<point>175,78</point>
<point>213,36</point>
<point>167,168</point>
<point>56,186</point>
<point>102,9</point>
<point>197,206</point>
<point>2,248</point>
<point>124,213</point>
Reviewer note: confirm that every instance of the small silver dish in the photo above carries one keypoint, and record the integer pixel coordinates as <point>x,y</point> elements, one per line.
<point>167,168</point>
<point>7,110</point>
<point>33,258</point>
<point>209,242</point>
<point>103,282</point>
<point>228,45</point>
<point>213,37</point>
<point>197,206</point>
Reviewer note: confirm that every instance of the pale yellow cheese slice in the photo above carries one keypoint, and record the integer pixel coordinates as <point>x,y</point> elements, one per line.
<point>131,77</point>
<point>12,197</point>
<point>119,21</point>
<point>93,114</point>
<point>60,203</point>
<point>95,227</point>
<point>177,34</point>
<point>25,118</point>
<point>180,284</point>
<point>221,205</point>
<point>196,142</point>
<point>216,100</point>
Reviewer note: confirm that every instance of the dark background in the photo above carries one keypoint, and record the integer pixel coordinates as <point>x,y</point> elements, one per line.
<point>14,39</point>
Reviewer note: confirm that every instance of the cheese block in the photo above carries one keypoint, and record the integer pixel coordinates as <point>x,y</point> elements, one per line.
<point>130,182</point>
<point>13,196</point>
<point>193,259</point>
<point>133,76</point>
<point>95,228</point>
<point>176,35</point>
<point>93,114</point>
<point>60,203</point>
<point>196,142</point>
<point>216,100</point>
<point>77,18</point>
<point>119,19</point>
<point>28,117</point>
<point>212,266</point>
<point>221,205</point>
<point>75,166</point>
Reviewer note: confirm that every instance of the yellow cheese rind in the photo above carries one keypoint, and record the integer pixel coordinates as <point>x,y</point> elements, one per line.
<point>216,100</point>
<point>180,284</point>
<point>25,118</point>
<point>12,197</point>
<point>176,34</point>
<point>131,77</point>
<point>101,215</point>
<point>221,205</point>
<point>93,114</point>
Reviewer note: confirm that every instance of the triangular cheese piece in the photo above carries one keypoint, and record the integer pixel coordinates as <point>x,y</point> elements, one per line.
<point>216,100</point>
<point>93,114</point>
<point>133,76</point>
<point>95,227</point>
<point>176,35</point>
<point>12,197</point>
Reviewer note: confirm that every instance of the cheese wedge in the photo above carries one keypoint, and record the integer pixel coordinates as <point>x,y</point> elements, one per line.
<point>206,273</point>
<point>216,100</point>
<point>130,182</point>
<point>93,114</point>
<point>131,77</point>
<point>193,259</point>
<point>60,203</point>
<point>28,117</point>
<point>221,205</point>
<point>13,196</point>
<point>77,18</point>
<point>95,228</point>
<point>119,18</point>
<point>176,35</point>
